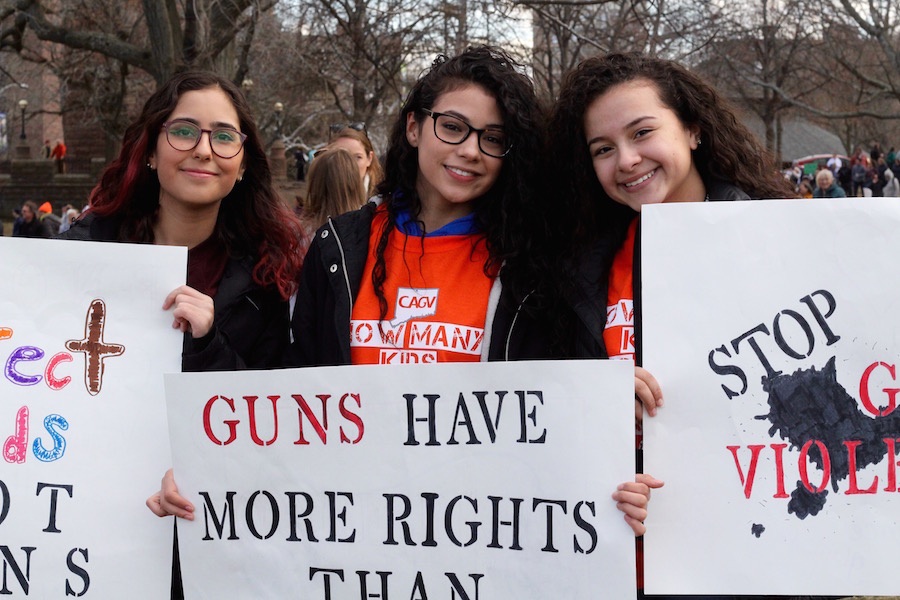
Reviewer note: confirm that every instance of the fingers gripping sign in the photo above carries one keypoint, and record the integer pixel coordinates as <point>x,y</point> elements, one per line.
<point>193,311</point>
<point>632,499</point>
<point>647,393</point>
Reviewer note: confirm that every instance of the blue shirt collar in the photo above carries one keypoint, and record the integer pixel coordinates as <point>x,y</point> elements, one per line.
<point>462,226</point>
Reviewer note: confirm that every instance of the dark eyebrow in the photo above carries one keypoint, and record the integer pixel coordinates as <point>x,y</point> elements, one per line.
<point>629,125</point>
<point>459,116</point>
<point>215,125</point>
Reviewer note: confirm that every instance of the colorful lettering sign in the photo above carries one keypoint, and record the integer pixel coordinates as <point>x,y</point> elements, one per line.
<point>84,344</point>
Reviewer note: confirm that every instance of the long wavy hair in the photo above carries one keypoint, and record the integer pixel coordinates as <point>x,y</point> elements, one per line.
<point>252,219</point>
<point>508,215</point>
<point>333,187</point>
<point>374,171</point>
<point>729,151</point>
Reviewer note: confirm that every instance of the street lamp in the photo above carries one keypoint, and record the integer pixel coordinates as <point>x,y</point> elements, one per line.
<point>23,105</point>
<point>279,118</point>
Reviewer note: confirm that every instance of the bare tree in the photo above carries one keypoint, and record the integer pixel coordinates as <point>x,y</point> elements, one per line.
<point>156,36</point>
<point>567,31</point>
<point>766,46</point>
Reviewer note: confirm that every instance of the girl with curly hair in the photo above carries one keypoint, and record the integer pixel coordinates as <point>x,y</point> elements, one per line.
<point>630,130</point>
<point>459,211</point>
<point>443,264</point>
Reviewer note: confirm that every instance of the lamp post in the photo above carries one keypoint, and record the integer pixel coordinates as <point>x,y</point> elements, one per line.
<point>23,106</point>
<point>279,118</point>
<point>23,152</point>
<point>277,161</point>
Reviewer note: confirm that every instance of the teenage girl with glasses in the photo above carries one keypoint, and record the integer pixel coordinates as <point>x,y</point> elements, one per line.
<point>459,212</point>
<point>193,172</point>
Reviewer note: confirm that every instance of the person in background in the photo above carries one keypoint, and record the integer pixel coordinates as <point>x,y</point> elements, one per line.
<point>59,155</point>
<point>826,187</point>
<point>69,215</point>
<point>49,218</point>
<point>891,185</point>
<point>31,226</point>
<point>46,150</point>
<point>300,163</point>
<point>354,139</point>
<point>805,189</point>
<point>332,189</point>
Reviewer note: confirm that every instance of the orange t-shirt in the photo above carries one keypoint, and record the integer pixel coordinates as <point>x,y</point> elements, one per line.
<point>437,296</point>
<point>618,336</point>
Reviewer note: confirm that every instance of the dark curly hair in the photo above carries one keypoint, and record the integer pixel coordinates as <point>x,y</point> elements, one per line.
<point>252,220</point>
<point>729,151</point>
<point>508,214</point>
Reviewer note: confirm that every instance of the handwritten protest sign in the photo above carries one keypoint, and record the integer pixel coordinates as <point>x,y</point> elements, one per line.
<point>774,332</point>
<point>84,343</point>
<point>469,481</point>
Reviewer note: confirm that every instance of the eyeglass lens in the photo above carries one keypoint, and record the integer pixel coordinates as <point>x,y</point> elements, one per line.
<point>184,135</point>
<point>452,130</point>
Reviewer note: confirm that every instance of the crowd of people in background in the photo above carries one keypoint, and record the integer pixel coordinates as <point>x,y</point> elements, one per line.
<point>32,221</point>
<point>872,173</point>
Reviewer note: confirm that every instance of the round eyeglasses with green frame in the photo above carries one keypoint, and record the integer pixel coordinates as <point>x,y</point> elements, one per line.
<point>183,135</point>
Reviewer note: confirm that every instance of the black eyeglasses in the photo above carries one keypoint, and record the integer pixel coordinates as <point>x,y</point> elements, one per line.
<point>453,130</point>
<point>338,127</point>
<point>184,136</point>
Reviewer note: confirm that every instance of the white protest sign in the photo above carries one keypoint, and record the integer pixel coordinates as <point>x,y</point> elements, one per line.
<point>84,343</point>
<point>773,330</point>
<point>470,481</point>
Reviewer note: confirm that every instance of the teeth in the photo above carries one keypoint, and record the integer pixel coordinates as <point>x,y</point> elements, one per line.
<point>461,172</point>
<point>642,179</point>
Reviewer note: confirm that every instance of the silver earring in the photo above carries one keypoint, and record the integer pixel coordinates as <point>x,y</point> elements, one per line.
<point>699,141</point>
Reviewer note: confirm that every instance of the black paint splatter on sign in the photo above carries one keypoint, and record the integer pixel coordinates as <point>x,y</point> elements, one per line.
<point>757,529</point>
<point>810,404</point>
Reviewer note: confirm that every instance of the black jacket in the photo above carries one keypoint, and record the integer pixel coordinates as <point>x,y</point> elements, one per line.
<point>591,281</point>
<point>330,281</point>
<point>250,327</point>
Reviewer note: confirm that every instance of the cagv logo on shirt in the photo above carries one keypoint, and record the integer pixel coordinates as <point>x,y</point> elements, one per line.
<point>415,303</point>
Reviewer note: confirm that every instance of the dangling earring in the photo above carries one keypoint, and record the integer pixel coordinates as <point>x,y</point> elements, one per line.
<point>699,141</point>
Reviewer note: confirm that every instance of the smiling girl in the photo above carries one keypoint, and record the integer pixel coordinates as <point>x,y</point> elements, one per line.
<point>192,172</point>
<point>627,131</point>
<point>459,200</point>
<point>450,253</point>
<point>630,130</point>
